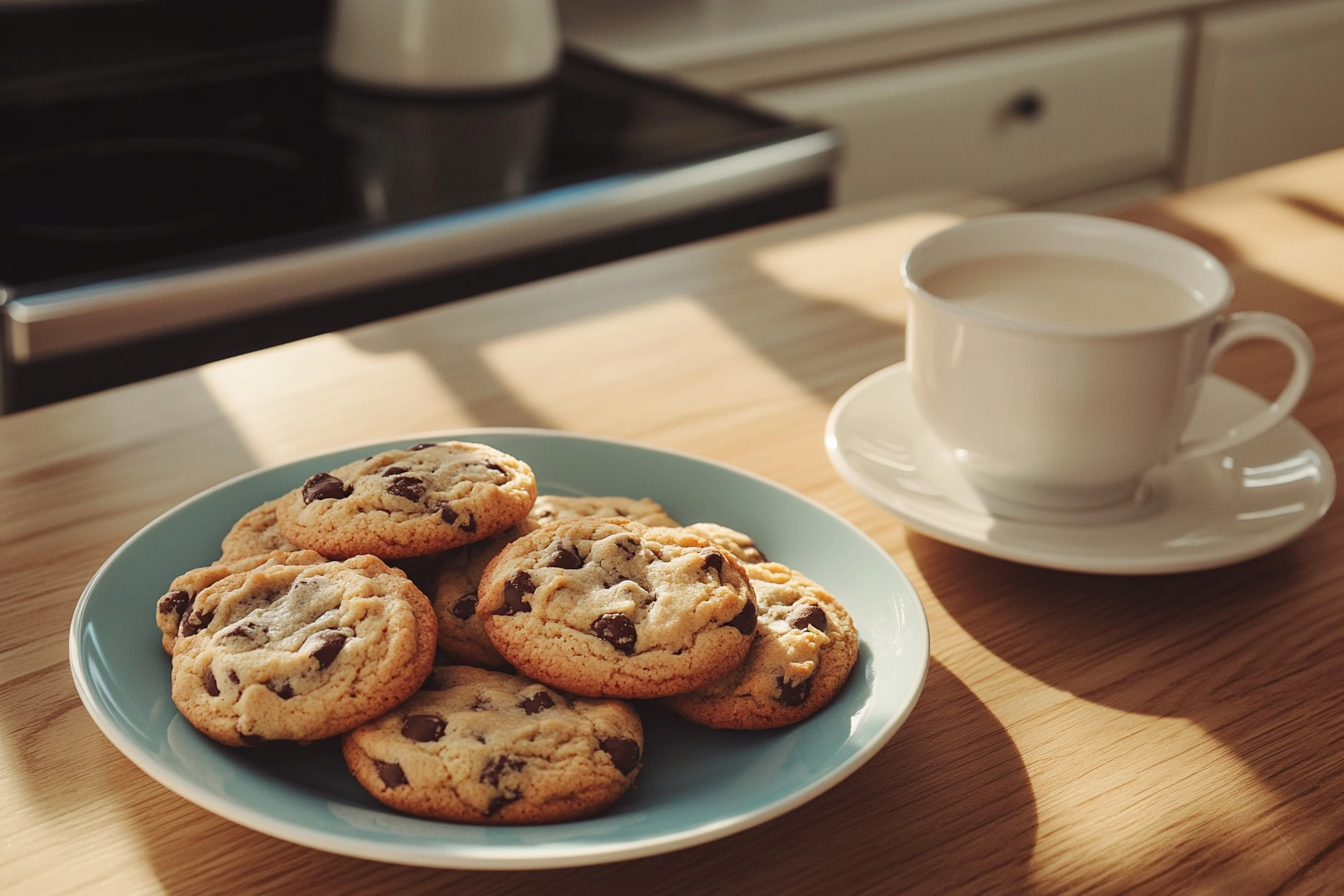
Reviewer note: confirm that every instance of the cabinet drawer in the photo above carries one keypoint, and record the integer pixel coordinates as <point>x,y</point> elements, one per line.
<point>1031,123</point>
<point>1269,87</point>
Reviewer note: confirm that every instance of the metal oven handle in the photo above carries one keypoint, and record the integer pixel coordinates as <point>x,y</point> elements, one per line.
<point>89,317</point>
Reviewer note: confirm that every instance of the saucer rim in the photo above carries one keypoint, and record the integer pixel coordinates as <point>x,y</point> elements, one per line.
<point>1074,560</point>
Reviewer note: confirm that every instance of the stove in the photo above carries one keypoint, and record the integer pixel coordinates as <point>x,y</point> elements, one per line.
<point>182,181</point>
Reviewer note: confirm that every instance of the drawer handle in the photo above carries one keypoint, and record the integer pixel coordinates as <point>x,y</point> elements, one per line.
<point>1028,105</point>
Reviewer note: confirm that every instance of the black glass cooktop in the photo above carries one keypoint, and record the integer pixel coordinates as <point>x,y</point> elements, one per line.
<point>151,136</point>
<point>178,168</point>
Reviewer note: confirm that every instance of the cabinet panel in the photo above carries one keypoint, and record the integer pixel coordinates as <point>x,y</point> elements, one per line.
<point>1269,87</point>
<point>1031,123</point>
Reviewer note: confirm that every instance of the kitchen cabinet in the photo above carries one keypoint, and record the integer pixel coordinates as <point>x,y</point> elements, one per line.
<point>1069,104</point>
<point>1268,87</point>
<point>1033,123</point>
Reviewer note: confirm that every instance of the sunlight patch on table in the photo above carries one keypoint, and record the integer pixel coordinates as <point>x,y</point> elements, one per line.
<point>858,266</point>
<point>578,366</point>
<point>1109,782</point>
<point>1116,783</point>
<point>111,868</point>
<point>298,383</point>
<point>1294,255</point>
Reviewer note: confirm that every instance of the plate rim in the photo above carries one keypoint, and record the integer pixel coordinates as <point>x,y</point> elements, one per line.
<point>497,856</point>
<point>1083,563</point>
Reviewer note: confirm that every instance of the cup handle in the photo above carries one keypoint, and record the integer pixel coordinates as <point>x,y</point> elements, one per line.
<point>1256,325</point>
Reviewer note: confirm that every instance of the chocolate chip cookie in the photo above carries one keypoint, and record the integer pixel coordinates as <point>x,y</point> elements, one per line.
<point>258,532</point>
<point>301,652</point>
<point>462,636</point>
<point>805,647</point>
<point>739,544</point>
<point>409,503</point>
<point>550,508</point>
<point>182,590</point>
<point>613,608</point>
<point>493,748</point>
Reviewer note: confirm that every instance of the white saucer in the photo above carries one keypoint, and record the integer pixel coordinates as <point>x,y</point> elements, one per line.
<point>1197,514</point>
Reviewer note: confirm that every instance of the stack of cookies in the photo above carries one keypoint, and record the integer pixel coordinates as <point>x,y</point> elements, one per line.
<point>479,648</point>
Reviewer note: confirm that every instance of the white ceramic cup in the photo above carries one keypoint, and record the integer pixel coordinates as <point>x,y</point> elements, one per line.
<point>1045,418</point>
<point>443,45</point>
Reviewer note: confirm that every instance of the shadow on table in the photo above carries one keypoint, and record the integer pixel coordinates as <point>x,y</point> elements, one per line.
<point>951,773</point>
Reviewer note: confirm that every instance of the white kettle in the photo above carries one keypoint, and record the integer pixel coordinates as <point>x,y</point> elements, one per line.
<point>443,45</point>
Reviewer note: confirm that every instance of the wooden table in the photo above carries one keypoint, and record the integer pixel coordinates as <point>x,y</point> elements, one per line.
<point>1077,733</point>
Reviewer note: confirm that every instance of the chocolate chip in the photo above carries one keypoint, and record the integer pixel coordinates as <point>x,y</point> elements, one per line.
<point>281,689</point>
<point>321,486</point>
<point>208,679</point>
<point>745,622</point>
<point>422,446</point>
<point>389,773</point>
<point>329,644</point>
<point>516,591</point>
<point>407,487</point>
<point>618,630</point>
<point>566,558</point>
<point>453,518</point>
<point>793,694</point>
<point>233,677</point>
<point>423,729</point>
<point>537,702</point>
<point>623,751</point>
<point>499,802</point>
<point>174,604</point>
<point>394,470</point>
<point>194,622</point>
<point>628,546</point>
<point>503,474</point>
<point>715,562</point>
<point>497,766</point>
<point>246,629</point>
<point>803,615</point>
<point>465,607</point>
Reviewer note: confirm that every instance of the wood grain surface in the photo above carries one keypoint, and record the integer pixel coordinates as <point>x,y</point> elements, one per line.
<point>1077,733</point>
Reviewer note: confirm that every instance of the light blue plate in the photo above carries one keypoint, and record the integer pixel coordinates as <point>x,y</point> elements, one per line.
<point>697,784</point>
